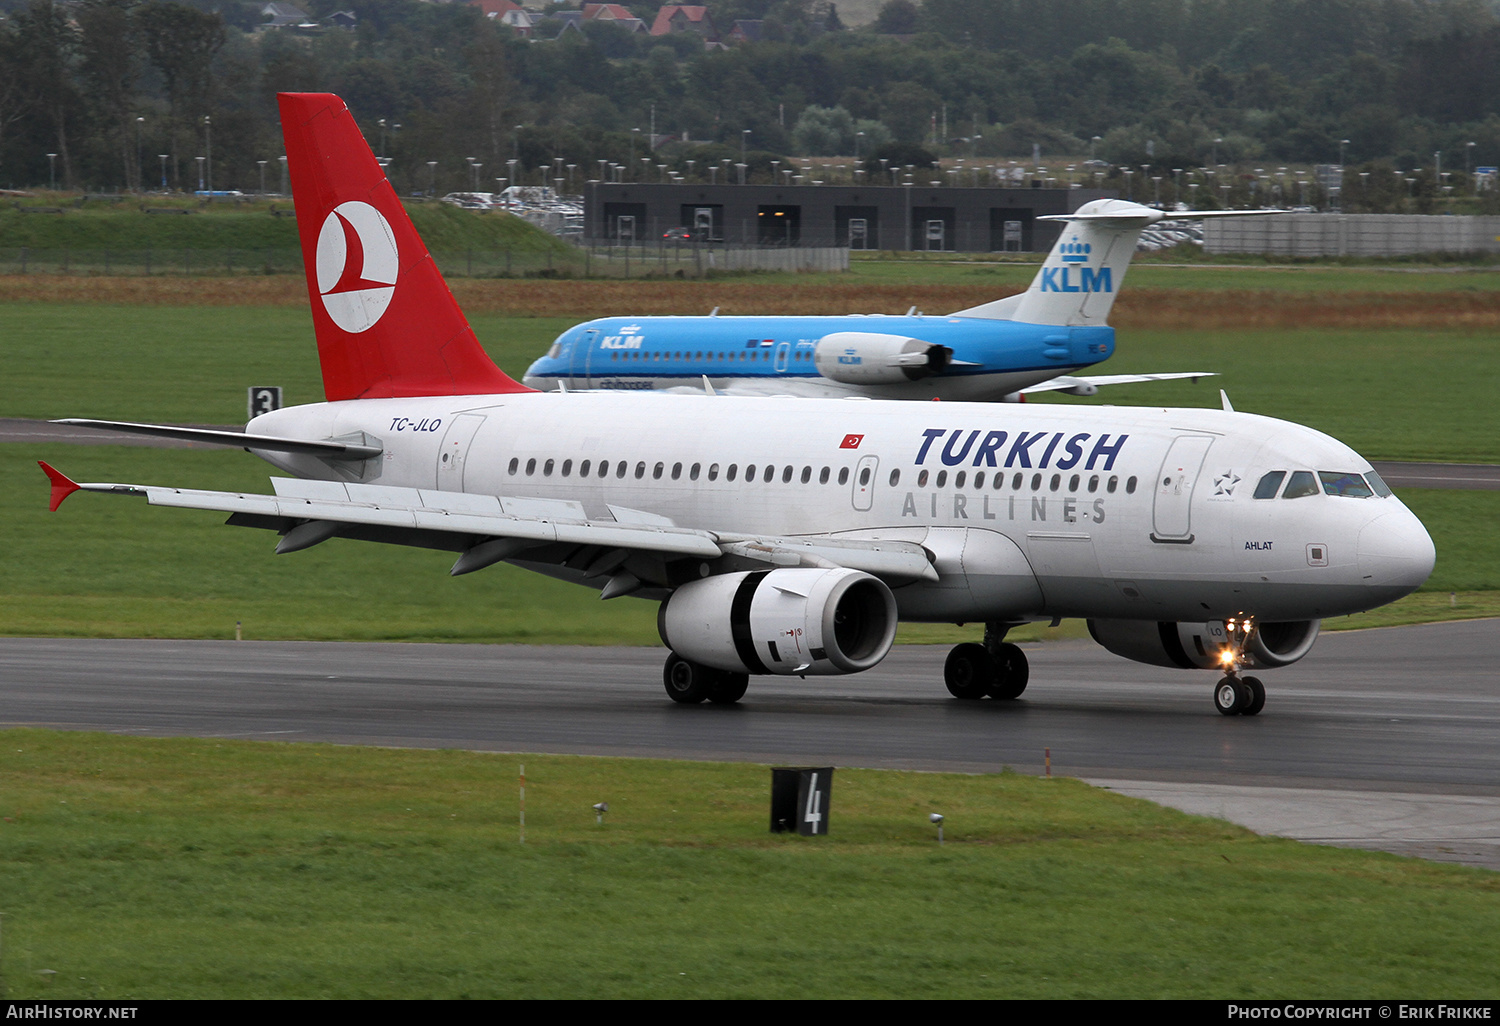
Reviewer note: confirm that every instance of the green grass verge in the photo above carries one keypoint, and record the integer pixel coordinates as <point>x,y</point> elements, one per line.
<point>247,225</point>
<point>106,566</point>
<point>180,868</point>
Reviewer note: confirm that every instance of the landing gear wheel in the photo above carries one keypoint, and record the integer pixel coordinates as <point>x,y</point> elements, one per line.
<point>686,682</point>
<point>969,671</point>
<point>1231,696</point>
<point>729,688</point>
<point>1011,671</point>
<point>1257,692</point>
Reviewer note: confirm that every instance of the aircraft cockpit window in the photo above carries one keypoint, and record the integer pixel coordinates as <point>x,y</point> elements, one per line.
<point>1378,484</point>
<point>1301,485</point>
<point>555,351</point>
<point>1347,484</point>
<point>1268,485</point>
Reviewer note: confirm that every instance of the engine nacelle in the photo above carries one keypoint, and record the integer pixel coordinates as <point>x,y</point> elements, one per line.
<point>1199,646</point>
<point>867,358</point>
<point>791,621</point>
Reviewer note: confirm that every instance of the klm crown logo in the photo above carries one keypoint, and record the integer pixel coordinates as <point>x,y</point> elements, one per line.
<point>1076,252</point>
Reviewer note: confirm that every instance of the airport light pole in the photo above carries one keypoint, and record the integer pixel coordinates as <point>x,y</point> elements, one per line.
<point>262,164</point>
<point>163,158</point>
<point>140,156</point>
<point>285,188</point>
<point>432,178</point>
<point>208,149</point>
<point>52,171</point>
<point>200,173</point>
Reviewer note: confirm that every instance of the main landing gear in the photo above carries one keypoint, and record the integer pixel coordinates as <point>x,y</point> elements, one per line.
<point>996,668</point>
<point>1236,695</point>
<point>690,683</point>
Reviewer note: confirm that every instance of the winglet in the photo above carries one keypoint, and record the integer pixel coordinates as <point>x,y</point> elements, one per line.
<point>1224,398</point>
<point>62,485</point>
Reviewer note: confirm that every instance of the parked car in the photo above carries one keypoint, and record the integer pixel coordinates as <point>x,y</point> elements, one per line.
<point>677,235</point>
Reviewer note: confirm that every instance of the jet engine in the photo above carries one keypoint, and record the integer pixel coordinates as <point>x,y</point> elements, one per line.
<point>1199,645</point>
<point>866,358</point>
<point>789,621</point>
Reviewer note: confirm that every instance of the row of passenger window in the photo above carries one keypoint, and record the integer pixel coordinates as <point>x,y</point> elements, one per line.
<point>741,356</point>
<point>1334,482</point>
<point>768,473</point>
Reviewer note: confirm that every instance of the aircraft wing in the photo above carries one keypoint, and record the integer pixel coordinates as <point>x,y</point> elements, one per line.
<point>485,529</point>
<point>1090,384</point>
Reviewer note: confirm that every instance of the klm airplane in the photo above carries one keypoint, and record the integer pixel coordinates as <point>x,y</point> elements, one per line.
<point>1033,342</point>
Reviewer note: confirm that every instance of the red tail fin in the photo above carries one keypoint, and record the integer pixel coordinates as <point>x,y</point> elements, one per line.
<point>386,324</point>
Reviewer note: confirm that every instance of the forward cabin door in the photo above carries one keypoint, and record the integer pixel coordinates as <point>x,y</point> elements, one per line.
<point>580,358</point>
<point>1171,512</point>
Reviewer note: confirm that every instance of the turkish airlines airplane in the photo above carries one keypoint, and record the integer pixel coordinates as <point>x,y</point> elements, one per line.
<point>1033,342</point>
<point>789,536</point>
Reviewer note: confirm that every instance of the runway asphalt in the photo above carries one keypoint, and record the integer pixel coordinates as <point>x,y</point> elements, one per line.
<point>1386,739</point>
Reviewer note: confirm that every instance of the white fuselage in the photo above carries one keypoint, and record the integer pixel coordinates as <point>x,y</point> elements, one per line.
<point>1029,511</point>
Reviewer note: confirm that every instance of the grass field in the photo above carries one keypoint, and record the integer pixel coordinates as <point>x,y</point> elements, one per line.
<point>139,868</point>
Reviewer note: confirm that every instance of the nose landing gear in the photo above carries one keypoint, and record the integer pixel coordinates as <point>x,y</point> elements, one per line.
<point>1235,695</point>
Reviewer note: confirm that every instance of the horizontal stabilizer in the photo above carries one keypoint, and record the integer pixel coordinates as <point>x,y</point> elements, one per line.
<point>237,439</point>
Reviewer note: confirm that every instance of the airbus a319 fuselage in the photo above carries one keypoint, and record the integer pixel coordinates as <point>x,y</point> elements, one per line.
<point>788,536</point>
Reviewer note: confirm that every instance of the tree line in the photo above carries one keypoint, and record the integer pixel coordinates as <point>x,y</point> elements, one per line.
<point>110,94</point>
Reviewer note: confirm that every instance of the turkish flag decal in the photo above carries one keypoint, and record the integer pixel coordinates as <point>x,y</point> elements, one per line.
<point>851,441</point>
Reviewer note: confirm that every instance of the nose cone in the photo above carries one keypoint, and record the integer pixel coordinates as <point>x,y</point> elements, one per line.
<point>1396,553</point>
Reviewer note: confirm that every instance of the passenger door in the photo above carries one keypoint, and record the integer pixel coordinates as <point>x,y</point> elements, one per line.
<point>1171,511</point>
